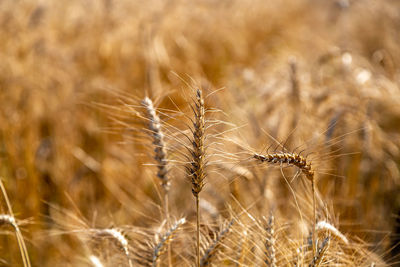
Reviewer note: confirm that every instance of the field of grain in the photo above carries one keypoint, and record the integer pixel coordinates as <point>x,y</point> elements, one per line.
<point>199,133</point>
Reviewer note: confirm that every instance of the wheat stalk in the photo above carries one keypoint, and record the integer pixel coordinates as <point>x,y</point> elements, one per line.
<point>295,90</point>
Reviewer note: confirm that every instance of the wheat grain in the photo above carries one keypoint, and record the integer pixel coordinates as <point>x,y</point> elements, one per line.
<point>158,141</point>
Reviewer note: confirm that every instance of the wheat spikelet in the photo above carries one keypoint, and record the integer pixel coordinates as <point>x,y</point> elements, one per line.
<point>212,248</point>
<point>160,247</point>
<point>270,259</point>
<point>158,141</point>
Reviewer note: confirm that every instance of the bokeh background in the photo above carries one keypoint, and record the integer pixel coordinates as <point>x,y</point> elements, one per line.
<point>294,69</point>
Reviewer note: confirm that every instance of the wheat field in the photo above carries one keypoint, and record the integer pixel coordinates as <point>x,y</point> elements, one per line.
<point>199,133</point>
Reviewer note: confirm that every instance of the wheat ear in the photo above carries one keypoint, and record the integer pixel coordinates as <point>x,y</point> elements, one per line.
<point>166,239</point>
<point>270,259</point>
<point>212,248</point>
<point>196,167</point>
<point>119,238</point>
<point>160,155</point>
<point>290,159</point>
<point>10,220</point>
<point>323,226</point>
<point>154,124</point>
<point>294,159</point>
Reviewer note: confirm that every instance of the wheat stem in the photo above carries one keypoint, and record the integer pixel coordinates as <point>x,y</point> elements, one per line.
<point>314,217</point>
<point>197,231</point>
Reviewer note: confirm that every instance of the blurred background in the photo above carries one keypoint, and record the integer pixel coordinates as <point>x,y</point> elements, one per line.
<point>290,68</point>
